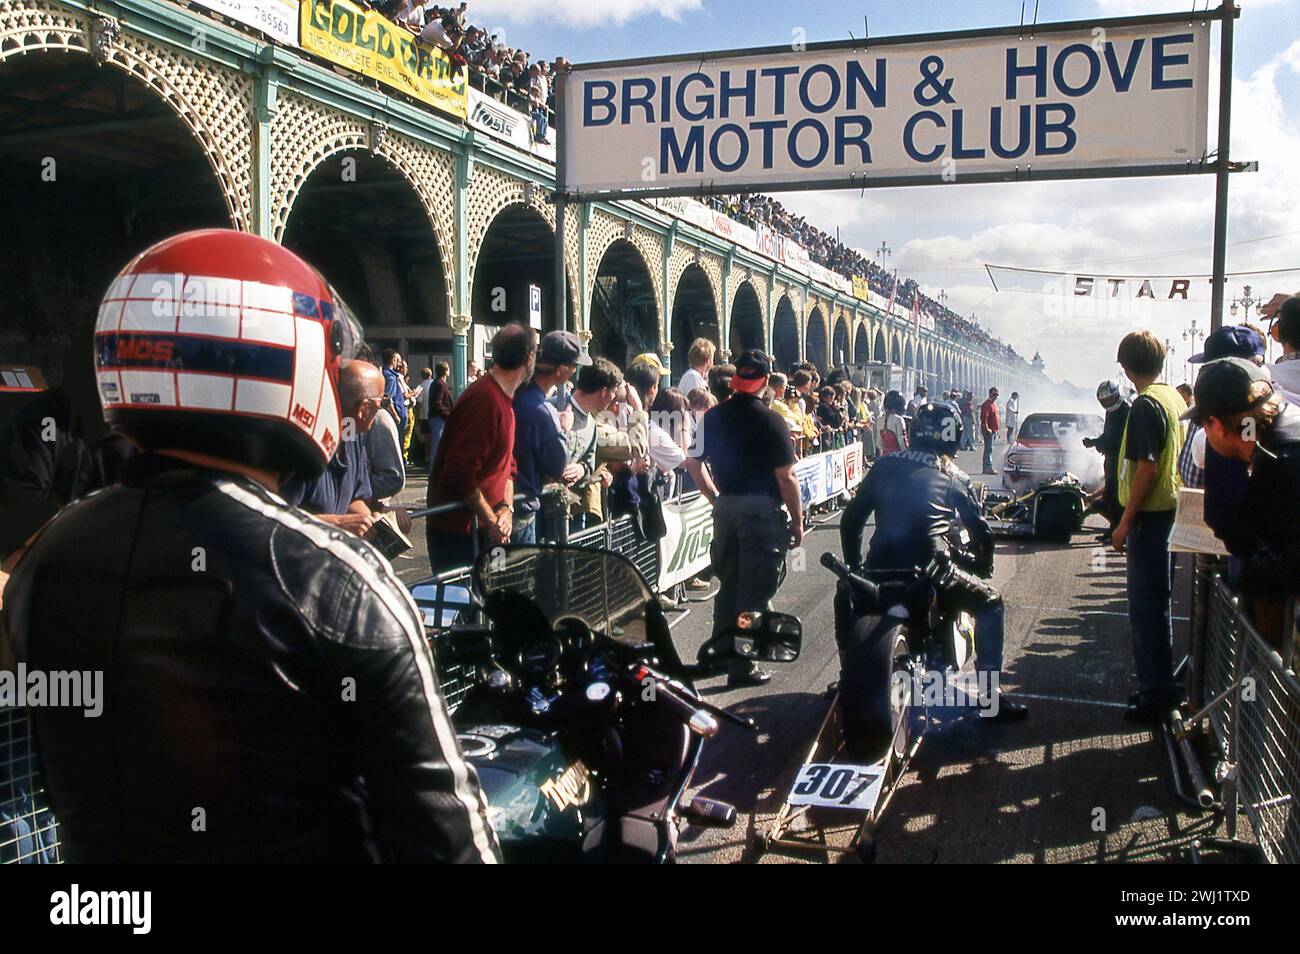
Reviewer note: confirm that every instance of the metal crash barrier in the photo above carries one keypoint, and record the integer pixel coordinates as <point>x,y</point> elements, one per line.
<point>1250,699</point>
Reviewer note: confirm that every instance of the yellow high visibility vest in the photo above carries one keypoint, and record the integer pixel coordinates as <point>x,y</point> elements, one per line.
<point>1164,494</point>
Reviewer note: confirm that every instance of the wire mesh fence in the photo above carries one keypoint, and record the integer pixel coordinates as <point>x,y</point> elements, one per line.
<point>28,833</point>
<point>1265,737</point>
<point>1220,656</point>
<point>1257,725</point>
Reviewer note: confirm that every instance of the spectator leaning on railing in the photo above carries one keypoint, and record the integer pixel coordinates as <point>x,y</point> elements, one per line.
<point>1247,419</point>
<point>338,496</point>
<point>475,462</point>
<point>593,392</point>
<point>541,448</point>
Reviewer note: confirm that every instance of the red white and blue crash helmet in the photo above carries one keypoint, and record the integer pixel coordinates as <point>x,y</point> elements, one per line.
<point>224,343</point>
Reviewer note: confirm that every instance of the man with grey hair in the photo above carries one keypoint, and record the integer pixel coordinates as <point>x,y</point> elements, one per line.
<point>339,495</point>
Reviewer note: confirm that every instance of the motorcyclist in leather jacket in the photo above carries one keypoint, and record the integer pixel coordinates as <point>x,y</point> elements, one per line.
<point>268,694</point>
<point>922,500</point>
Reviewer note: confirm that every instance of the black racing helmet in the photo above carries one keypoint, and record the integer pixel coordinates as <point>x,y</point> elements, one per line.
<point>937,428</point>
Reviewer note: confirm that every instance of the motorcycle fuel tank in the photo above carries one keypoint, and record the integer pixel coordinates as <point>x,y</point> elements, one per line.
<point>543,806</point>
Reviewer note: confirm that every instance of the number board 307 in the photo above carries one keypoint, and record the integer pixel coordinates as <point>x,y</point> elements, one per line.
<point>832,785</point>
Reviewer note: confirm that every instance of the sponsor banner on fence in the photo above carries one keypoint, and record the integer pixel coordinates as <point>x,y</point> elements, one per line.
<point>365,42</point>
<point>861,290</point>
<point>505,122</point>
<point>684,549</point>
<point>278,19</point>
<point>828,474</point>
<point>853,472</point>
<point>1077,97</point>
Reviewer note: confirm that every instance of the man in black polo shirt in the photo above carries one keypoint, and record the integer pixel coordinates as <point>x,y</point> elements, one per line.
<point>750,474</point>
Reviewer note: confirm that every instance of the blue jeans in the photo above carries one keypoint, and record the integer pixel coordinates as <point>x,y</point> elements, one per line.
<point>988,451</point>
<point>1150,588</point>
<point>436,426</point>
<point>524,527</point>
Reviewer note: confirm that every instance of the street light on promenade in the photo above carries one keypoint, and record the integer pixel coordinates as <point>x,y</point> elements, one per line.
<point>1191,334</point>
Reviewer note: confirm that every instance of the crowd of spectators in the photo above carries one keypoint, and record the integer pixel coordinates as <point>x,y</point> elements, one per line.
<point>828,251</point>
<point>505,72</point>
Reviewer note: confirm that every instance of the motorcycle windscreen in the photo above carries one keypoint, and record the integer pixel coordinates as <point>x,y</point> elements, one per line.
<point>603,589</point>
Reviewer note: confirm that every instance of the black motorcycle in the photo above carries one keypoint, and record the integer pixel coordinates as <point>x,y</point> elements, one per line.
<point>894,628</point>
<point>582,721</point>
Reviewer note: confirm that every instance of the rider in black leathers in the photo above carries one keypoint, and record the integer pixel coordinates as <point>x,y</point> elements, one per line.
<point>268,694</point>
<point>921,500</point>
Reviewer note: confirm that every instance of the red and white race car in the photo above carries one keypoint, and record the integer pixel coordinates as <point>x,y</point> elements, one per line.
<point>1050,445</point>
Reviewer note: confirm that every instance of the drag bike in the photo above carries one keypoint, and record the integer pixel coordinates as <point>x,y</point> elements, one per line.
<point>582,721</point>
<point>894,629</point>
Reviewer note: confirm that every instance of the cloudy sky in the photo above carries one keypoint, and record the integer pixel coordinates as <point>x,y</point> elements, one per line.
<point>944,235</point>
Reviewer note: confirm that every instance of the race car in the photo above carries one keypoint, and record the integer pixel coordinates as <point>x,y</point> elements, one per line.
<point>1052,510</point>
<point>1050,445</point>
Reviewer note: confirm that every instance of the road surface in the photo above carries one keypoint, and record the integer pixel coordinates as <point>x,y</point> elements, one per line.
<point>1075,782</point>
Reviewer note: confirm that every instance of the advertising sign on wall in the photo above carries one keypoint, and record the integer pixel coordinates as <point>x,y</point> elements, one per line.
<point>363,41</point>
<point>278,19</point>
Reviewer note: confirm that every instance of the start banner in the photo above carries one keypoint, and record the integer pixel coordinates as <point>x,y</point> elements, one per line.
<point>367,43</point>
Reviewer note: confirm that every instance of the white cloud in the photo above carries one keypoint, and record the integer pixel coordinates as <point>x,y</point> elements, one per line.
<point>578,14</point>
<point>941,235</point>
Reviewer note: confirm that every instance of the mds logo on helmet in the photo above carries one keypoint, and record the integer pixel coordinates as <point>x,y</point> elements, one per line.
<point>145,349</point>
<point>131,350</point>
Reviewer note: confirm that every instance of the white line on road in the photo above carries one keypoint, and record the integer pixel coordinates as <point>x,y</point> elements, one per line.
<point>1074,700</point>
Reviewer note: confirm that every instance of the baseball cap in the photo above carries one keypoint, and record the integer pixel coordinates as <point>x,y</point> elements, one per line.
<point>1223,389</point>
<point>1230,341</point>
<point>561,347</point>
<point>752,369</point>
<point>652,359</point>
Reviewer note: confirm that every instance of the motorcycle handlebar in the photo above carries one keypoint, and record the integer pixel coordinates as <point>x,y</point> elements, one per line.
<point>866,589</point>
<point>835,565</point>
<point>698,716</point>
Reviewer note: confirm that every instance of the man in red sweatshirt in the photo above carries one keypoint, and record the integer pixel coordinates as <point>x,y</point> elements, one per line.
<point>475,462</point>
<point>990,424</point>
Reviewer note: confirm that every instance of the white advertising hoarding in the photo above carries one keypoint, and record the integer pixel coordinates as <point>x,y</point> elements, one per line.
<point>504,122</point>
<point>278,19</point>
<point>1070,97</point>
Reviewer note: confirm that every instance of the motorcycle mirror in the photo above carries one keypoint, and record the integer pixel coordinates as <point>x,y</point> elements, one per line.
<point>764,637</point>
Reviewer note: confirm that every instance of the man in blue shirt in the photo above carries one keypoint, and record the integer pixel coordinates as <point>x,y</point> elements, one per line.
<point>541,450</point>
<point>338,496</point>
<point>395,387</point>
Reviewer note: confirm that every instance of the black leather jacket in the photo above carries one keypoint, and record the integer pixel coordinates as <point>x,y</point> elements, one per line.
<point>268,692</point>
<point>919,502</point>
<point>1270,512</point>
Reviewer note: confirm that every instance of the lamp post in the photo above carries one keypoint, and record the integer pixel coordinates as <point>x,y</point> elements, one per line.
<point>1247,301</point>
<point>1169,357</point>
<point>883,252</point>
<point>1191,334</point>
